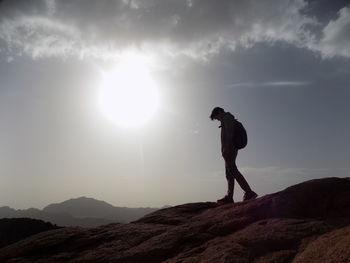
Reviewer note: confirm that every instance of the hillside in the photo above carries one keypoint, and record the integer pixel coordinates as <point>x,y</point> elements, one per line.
<point>15,229</point>
<point>308,222</point>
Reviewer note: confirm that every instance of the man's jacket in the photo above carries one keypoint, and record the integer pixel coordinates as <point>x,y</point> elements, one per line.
<point>227,130</point>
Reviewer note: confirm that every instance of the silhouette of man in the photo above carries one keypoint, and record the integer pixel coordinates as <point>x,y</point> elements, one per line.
<point>229,153</point>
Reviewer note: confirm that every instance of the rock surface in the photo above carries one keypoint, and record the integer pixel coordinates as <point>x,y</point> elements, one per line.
<point>308,222</point>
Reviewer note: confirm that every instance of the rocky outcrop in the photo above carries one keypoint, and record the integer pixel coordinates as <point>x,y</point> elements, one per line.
<point>308,222</point>
<point>15,229</point>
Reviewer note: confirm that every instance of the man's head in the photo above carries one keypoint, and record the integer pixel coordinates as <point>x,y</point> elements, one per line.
<point>217,113</point>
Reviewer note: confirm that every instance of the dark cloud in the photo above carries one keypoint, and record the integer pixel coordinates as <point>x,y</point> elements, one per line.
<point>325,10</point>
<point>196,28</point>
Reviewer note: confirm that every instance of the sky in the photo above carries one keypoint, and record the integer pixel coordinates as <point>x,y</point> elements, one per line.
<point>282,67</point>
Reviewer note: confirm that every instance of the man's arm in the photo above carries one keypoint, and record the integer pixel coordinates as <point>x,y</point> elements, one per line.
<point>228,130</point>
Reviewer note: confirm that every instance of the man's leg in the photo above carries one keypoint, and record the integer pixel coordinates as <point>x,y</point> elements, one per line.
<point>230,182</point>
<point>241,180</point>
<point>232,171</point>
<point>228,198</point>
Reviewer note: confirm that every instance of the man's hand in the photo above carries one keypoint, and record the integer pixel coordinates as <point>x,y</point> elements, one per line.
<point>226,152</point>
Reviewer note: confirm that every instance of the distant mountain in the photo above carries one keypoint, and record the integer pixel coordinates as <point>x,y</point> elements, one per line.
<point>15,229</point>
<point>82,211</point>
<point>89,207</point>
<point>61,219</point>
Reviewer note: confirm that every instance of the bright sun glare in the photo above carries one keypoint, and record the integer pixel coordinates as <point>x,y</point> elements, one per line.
<point>128,95</point>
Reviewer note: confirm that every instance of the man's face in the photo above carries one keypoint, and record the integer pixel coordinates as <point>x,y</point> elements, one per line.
<point>219,116</point>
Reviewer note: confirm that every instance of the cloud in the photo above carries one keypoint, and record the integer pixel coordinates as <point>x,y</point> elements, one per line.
<point>284,83</point>
<point>38,36</point>
<point>195,28</point>
<point>336,36</point>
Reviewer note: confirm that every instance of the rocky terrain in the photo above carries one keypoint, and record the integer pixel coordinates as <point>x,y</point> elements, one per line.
<point>308,222</point>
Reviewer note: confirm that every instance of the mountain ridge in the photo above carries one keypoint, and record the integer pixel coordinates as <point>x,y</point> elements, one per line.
<point>81,211</point>
<point>91,207</point>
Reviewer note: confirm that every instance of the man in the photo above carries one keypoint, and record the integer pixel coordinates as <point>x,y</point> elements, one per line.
<point>229,152</point>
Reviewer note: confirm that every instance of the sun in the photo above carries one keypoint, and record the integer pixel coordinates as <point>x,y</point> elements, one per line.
<point>128,95</point>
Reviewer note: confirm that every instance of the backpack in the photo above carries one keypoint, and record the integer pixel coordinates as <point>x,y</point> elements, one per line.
<point>240,139</point>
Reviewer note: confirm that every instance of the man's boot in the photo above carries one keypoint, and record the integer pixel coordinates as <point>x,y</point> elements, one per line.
<point>226,200</point>
<point>249,195</point>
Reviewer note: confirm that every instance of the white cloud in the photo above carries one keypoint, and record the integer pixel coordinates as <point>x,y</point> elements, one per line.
<point>194,28</point>
<point>39,36</point>
<point>51,7</point>
<point>286,83</point>
<point>336,36</point>
<point>281,83</point>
